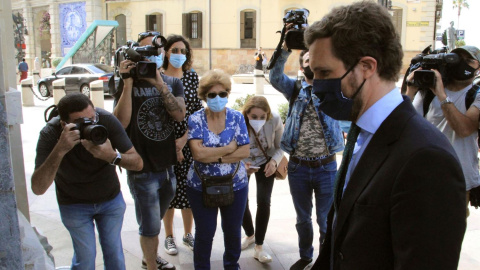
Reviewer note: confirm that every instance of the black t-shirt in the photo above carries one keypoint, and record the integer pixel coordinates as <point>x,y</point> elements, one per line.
<point>151,127</point>
<point>81,178</point>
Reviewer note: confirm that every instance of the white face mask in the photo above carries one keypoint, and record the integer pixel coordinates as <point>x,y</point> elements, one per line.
<point>257,124</point>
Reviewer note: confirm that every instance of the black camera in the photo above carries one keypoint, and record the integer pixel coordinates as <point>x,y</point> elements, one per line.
<point>97,134</point>
<point>138,54</point>
<point>425,78</point>
<point>294,37</point>
<point>429,59</point>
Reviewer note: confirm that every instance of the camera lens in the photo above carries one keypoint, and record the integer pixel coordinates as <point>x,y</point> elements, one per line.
<point>98,134</point>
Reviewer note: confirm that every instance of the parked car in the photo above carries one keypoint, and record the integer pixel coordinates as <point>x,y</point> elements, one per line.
<point>77,78</point>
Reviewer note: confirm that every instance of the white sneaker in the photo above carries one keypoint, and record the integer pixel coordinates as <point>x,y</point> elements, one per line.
<point>262,256</point>
<point>170,246</point>
<point>247,241</point>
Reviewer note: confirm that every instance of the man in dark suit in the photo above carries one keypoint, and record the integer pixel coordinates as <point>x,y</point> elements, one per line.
<point>400,201</point>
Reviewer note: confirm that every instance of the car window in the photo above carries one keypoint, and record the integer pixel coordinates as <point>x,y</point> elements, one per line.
<point>64,71</point>
<point>100,68</point>
<point>79,70</point>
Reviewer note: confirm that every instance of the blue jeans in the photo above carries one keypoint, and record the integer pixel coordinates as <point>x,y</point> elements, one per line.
<point>206,225</point>
<point>303,182</point>
<point>108,217</point>
<point>152,193</point>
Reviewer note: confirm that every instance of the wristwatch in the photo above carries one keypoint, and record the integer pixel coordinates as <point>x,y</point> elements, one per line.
<point>446,101</point>
<point>117,159</point>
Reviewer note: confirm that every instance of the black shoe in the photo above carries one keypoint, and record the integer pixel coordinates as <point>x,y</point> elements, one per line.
<point>300,264</point>
<point>161,264</point>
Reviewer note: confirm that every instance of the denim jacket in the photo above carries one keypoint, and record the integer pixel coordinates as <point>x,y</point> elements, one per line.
<point>285,85</point>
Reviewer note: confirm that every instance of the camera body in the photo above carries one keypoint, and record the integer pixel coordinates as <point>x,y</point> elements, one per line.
<point>425,78</point>
<point>138,54</point>
<point>97,134</point>
<point>294,37</point>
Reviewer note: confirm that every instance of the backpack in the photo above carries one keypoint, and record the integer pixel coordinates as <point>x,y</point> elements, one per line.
<point>52,114</point>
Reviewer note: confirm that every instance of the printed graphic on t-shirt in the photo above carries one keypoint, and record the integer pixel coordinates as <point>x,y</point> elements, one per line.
<point>153,120</point>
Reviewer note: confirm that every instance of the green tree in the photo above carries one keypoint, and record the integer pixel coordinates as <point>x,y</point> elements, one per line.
<point>459,4</point>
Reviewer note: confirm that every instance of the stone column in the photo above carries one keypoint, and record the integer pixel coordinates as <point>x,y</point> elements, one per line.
<point>259,81</point>
<point>58,90</point>
<point>94,10</point>
<point>27,94</point>
<point>10,245</point>
<point>96,94</point>
<point>55,30</point>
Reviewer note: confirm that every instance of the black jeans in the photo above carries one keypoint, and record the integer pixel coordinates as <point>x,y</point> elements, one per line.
<point>264,194</point>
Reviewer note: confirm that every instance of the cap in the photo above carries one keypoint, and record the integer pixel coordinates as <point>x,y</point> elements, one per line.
<point>471,50</point>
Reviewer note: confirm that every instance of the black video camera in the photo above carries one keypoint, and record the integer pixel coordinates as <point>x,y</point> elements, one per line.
<point>294,37</point>
<point>138,54</point>
<point>437,59</point>
<point>97,134</point>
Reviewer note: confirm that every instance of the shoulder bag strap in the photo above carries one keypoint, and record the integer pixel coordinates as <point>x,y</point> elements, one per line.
<point>200,175</point>
<point>259,144</point>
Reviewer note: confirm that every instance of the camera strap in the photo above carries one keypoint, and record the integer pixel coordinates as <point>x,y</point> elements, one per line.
<point>278,50</point>
<point>296,90</point>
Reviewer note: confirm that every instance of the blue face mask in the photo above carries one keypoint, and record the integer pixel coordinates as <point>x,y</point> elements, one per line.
<point>156,59</point>
<point>217,104</point>
<point>177,60</point>
<point>332,101</point>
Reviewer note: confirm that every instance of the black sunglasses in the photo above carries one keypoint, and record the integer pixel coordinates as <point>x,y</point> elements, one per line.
<point>221,94</point>
<point>178,50</point>
<point>147,34</point>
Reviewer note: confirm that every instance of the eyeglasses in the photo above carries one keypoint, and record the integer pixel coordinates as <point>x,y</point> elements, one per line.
<point>214,95</point>
<point>147,34</point>
<point>178,50</point>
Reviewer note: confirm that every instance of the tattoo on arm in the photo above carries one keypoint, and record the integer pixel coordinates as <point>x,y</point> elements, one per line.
<point>171,102</point>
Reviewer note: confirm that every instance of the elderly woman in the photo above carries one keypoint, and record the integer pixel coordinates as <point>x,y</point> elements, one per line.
<point>218,139</point>
<point>265,130</point>
<point>178,63</point>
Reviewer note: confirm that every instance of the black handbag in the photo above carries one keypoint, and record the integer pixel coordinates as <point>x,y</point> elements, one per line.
<point>217,191</point>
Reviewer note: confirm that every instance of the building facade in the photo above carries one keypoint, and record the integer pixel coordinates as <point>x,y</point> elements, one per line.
<point>224,34</point>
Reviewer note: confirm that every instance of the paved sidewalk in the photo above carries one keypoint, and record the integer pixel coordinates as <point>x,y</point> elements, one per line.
<point>281,238</point>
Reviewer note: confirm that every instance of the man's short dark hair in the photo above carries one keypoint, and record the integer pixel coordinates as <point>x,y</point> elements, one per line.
<point>300,58</point>
<point>358,30</point>
<point>71,103</point>
<point>23,59</point>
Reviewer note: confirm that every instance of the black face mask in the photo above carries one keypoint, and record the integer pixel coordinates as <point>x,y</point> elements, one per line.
<point>308,73</point>
<point>462,71</point>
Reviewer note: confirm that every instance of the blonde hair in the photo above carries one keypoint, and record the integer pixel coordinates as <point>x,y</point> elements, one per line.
<point>256,102</point>
<point>212,78</point>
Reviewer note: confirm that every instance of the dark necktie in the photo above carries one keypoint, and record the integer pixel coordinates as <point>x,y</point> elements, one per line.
<point>342,171</point>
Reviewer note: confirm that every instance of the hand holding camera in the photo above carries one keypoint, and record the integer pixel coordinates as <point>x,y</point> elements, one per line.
<point>140,66</point>
<point>69,138</point>
<point>428,80</point>
<point>295,22</point>
<point>101,151</point>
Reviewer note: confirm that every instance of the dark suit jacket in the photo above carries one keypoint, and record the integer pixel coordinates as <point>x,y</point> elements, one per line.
<point>404,207</point>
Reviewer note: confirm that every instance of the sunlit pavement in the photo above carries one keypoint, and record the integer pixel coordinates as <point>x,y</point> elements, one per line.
<point>280,241</point>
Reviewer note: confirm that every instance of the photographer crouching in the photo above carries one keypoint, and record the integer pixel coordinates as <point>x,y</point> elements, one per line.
<point>447,98</point>
<point>77,150</point>
<point>147,105</point>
